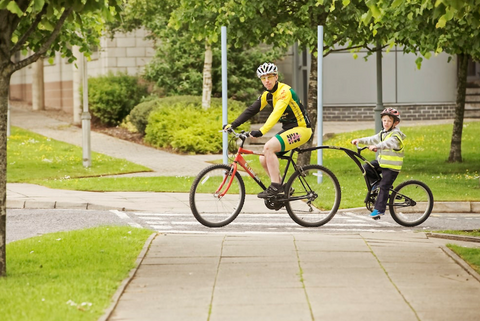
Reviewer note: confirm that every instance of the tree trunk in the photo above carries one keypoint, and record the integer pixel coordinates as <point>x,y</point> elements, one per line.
<point>456,143</point>
<point>304,158</point>
<point>4,88</point>
<point>38,88</point>
<point>207,77</point>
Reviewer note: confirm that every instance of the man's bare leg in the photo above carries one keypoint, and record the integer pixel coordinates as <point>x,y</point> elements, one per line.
<point>270,160</point>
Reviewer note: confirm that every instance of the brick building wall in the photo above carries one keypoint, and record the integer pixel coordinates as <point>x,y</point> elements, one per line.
<point>366,112</point>
<point>128,52</point>
<point>407,112</point>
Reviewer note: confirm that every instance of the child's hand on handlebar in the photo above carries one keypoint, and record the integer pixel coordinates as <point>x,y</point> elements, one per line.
<point>373,148</point>
<point>355,142</point>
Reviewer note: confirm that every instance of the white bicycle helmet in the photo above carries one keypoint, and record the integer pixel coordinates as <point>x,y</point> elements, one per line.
<point>267,69</point>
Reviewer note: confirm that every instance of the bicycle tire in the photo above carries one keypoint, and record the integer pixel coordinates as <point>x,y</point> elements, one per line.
<point>207,207</point>
<point>316,203</point>
<point>410,203</point>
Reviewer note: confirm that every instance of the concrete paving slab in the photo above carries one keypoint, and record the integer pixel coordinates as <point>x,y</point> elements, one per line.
<point>190,276</point>
<point>317,276</point>
<point>240,276</point>
<point>12,203</point>
<point>453,207</point>
<point>180,261</point>
<point>284,311</point>
<point>39,204</point>
<point>228,297</point>
<point>156,311</point>
<point>350,303</point>
<point>71,205</point>
<point>325,242</point>
<point>329,260</point>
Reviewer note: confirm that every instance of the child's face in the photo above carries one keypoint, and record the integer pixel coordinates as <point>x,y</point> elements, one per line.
<point>388,122</point>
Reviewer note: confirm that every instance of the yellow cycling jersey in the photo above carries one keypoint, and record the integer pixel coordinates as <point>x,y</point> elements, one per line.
<point>287,109</point>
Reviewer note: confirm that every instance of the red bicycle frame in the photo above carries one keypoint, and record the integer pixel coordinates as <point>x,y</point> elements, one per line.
<point>239,160</point>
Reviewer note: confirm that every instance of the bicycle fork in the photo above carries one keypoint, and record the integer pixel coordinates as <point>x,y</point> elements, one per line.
<point>231,173</point>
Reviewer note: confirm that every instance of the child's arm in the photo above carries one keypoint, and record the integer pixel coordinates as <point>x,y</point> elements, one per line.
<point>391,143</point>
<point>371,140</point>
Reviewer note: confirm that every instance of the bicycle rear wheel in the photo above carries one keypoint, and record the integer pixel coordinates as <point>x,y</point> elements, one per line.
<point>410,203</point>
<point>314,196</point>
<point>208,206</point>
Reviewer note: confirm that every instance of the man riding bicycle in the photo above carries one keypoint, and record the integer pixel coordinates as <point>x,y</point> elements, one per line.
<point>287,109</point>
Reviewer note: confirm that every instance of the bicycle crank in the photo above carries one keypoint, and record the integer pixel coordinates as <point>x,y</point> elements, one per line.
<point>273,204</point>
<point>370,205</point>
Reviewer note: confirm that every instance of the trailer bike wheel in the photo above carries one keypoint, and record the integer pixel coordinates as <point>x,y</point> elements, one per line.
<point>410,203</point>
<point>314,196</point>
<point>207,203</point>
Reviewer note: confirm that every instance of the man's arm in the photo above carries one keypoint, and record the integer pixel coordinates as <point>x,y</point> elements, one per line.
<point>248,113</point>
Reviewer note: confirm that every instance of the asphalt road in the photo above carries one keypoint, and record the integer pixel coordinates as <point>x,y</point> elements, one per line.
<point>24,223</point>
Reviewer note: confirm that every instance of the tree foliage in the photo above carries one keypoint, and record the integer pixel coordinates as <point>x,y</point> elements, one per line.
<point>449,26</point>
<point>177,68</point>
<point>39,28</point>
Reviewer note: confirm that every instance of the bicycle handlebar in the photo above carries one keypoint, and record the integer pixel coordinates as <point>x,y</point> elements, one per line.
<point>242,135</point>
<point>359,149</point>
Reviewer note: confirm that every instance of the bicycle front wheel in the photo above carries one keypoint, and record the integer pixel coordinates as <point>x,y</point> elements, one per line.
<point>411,203</point>
<point>207,202</point>
<point>314,196</point>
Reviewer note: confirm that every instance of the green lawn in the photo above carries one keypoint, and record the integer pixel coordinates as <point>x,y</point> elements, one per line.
<point>469,255</point>
<point>58,165</point>
<point>32,157</point>
<point>68,275</point>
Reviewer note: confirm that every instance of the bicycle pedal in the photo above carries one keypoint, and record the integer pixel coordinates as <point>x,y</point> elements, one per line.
<point>376,218</point>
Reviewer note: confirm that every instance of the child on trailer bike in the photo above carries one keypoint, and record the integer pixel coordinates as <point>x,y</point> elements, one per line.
<point>389,143</point>
<point>287,109</point>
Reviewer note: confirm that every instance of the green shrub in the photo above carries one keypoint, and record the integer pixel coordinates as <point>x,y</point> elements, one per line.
<point>112,97</point>
<point>139,114</point>
<point>184,126</point>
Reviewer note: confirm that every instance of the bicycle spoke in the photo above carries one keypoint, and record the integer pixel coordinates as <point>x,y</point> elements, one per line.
<point>315,196</point>
<point>411,203</point>
<point>216,198</point>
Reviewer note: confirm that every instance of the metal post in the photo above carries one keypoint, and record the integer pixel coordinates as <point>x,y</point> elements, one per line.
<point>224,93</point>
<point>379,107</point>
<point>87,161</point>
<point>320,98</point>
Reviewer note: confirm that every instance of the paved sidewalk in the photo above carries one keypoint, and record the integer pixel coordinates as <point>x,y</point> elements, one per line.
<point>366,276</point>
<point>354,276</point>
